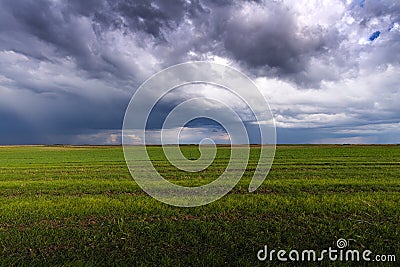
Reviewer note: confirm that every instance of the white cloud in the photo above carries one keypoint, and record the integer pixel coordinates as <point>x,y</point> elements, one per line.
<point>185,135</point>
<point>370,99</point>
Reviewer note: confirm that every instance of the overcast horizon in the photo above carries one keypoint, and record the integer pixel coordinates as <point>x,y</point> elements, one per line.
<point>329,69</point>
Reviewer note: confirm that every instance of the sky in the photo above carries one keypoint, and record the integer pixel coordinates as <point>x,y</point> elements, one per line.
<point>330,69</point>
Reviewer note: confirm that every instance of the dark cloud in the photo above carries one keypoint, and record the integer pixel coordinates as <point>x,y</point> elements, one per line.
<point>70,67</point>
<point>264,37</point>
<point>373,9</point>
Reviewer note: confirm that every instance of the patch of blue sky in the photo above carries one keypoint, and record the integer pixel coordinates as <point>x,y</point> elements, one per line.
<point>360,3</point>
<point>374,36</point>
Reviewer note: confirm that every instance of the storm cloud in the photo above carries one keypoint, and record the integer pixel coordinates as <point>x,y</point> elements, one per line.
<point>330,69</point>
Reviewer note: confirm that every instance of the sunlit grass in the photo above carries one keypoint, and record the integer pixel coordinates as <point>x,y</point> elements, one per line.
<point>79,206</point>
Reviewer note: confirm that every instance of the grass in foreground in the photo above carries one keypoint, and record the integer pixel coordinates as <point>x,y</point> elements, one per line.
<point>79,206</point>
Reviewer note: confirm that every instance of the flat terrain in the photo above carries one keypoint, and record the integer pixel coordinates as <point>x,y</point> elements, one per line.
<point>80,206</point>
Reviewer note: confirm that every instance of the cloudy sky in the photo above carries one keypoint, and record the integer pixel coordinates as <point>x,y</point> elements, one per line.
<point>330,69</point>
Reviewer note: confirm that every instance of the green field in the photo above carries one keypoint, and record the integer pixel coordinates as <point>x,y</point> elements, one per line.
<point>80,206</point>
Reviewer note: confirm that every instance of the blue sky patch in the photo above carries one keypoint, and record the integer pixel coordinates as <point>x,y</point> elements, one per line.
<point>374,36</point>
<point>360,3</point>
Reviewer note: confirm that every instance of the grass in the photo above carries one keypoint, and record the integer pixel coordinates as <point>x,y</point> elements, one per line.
<point>79,206</point>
